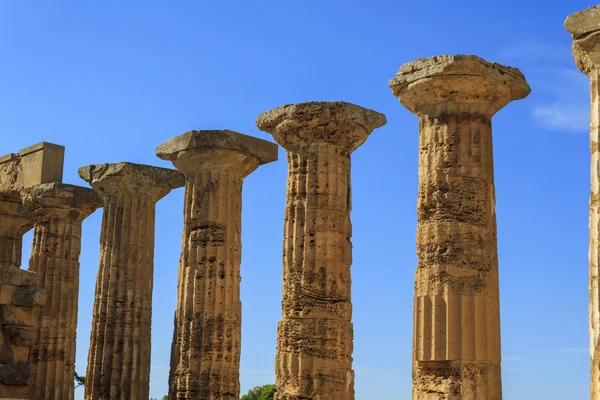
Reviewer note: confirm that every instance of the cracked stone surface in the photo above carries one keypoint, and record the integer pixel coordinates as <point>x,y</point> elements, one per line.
<point>205,354</point>
<point>456,338</point>
<point>584,27</point>
<point>119,354</point>
<point>315,336</point>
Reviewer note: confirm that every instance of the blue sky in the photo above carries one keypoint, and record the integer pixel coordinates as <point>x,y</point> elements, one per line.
<point>111,81</point>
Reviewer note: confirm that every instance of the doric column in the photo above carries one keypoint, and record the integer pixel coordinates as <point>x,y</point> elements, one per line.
<point>314,344</point>
<point>15,220</point>
<point>456,346</point>
<point>58,212</point>
<point>119,355</point>
<point>584,27</point>
<point>206,342</point>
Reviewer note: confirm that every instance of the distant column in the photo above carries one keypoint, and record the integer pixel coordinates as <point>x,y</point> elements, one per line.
<point>584,27</point>
<point>206,342</point>
<point>456,347</point>
<point>58,212</point>
<point>314,341</point>
<point>119,355</point>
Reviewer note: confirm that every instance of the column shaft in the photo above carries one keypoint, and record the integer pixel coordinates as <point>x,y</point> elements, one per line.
<point>594,222</point>
<point>119,355</point>
<point>315,336</point>
<point>457,318</point>
<point>55,259</point>
<point>208,318</point>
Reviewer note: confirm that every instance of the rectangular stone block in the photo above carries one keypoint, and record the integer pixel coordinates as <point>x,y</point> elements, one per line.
<point>42,163</point>
<point>6,293</point>
<point>13,315</point>
<point>14,375</point>
<point>14,354</point>
<point>16,277</point>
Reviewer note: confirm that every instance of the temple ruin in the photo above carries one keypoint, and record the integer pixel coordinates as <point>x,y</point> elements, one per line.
<point>456,323</point>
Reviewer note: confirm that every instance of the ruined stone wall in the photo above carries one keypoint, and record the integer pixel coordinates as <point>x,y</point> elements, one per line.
<point>20,303</point>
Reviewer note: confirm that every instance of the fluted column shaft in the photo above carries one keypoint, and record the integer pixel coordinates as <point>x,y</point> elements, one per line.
<point>119,355</point>
<point>55,260</point>
<point>457,310</point>
<point>594,246</point>
<point>456,337</point>
<point>315,337</point>
<point>583,27</point>
<point>205,353</point>
<point>120,338</point>
<point>208,331</point>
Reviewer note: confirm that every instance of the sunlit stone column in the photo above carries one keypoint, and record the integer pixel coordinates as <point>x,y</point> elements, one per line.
<point>58,212</point>
<point>314,344</point>
<point>584,27</point>
<point>206,342</point>
<point>119,355</point>
<point>456,347</point>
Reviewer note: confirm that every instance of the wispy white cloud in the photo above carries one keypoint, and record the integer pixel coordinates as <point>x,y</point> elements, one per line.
<point>562,117</point>
<point>564,350</point>
<point>534,51</point>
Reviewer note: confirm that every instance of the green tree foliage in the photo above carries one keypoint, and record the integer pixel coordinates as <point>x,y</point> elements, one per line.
<point>264,392</point>
<point>268,391</point>
<point>79,380</point>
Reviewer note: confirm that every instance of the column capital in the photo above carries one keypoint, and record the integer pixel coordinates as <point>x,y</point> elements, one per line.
<point>338,123</point>
<point>111,179</point>
<point>61,197</point>
<point>584,27</point>
<point>459,79</point>
<point>217,149</point>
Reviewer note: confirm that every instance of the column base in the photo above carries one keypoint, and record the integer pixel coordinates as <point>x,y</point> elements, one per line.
<point>456,380</point>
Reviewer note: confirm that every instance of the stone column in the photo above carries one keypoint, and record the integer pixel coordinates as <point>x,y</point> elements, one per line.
<point>456,347</point>
<point>58,212</point>
<point>119,355</point>
<point>206,342</point>
<point>584,27</point>
<point>315,337</point>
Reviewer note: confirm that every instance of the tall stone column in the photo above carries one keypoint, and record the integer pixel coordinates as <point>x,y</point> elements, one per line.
<point>584,27</point>
<point>315,337</point>
<point>205,354</point>
<point>456,346</point>
<point>119,355</point>
<point>58,212</point>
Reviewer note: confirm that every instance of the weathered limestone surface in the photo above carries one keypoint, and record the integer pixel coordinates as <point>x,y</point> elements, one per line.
<point>20,299</point>
<point>119,355</point>
<point>456,347</point>
<point>315,337</point>
<point>206,341</point>
<point>584,27</point>
<point>58,212</point>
